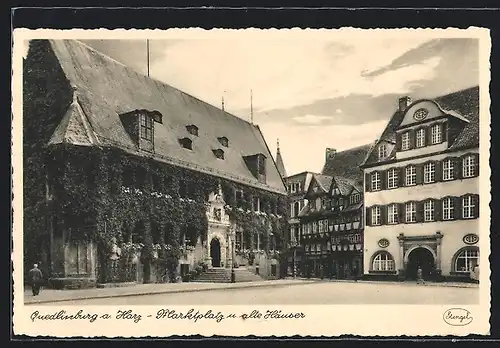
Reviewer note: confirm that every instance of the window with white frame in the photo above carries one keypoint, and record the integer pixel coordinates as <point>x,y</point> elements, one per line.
<point>420,137</point>
<point>429,172</point>
<point>436,135</point>
<point>467,260</point>
<point>405,141</point>
<point>392,214</point>
<point>146,130</point>
<point>411,212</point>
<point>375,184</point>
<point>355,198</point>
<point>429,210</point>
<point>383,262</point>
<point>448,209</point>
<point>411,176</point>
<point>448,169</point>
<point>468,207</point>
<point>392,178</point>
<point>382,151</point>
<point>468,166</point>
<point>376,217</point>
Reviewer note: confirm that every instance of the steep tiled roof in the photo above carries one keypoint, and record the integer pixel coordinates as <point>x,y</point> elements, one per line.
<point>346,163</point>
<point>324,181</point>
<point>345,185</point>
<point>461,104</point>
<point>105,89</point>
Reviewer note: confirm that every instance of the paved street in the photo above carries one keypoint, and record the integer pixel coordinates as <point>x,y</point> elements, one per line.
<point>307,293</point>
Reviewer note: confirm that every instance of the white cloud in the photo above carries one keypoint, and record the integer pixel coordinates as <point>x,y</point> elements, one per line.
<point>310,119</point>
<point>285,73</point>
<point>304,148</point>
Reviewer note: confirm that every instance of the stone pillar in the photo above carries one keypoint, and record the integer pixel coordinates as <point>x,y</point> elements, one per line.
<point>439,236</point>
<point>401,252</point>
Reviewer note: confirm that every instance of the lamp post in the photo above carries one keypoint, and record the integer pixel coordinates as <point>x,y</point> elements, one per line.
<point>232,237</point>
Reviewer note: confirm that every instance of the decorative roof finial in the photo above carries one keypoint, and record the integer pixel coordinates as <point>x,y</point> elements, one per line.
<point>222,103</point>
<point>74,90</point>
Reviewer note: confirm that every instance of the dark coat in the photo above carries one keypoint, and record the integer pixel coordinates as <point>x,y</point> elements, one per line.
<point>35,275</point>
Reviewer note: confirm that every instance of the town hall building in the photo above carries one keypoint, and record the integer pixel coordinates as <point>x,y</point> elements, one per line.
<point>127,178</point>
<point>422,190</point>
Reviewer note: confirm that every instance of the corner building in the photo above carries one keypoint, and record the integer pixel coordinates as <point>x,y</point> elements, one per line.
<point>421,190</point>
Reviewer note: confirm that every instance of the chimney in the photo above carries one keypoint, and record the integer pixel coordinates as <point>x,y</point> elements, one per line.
<point>404,102</point>
<point>330,153</point>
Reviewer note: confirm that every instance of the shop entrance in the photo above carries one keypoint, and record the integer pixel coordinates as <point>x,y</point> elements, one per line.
<point>423,258</point>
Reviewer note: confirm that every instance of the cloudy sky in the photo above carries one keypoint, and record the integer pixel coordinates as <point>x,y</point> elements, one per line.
<point>310,93</point>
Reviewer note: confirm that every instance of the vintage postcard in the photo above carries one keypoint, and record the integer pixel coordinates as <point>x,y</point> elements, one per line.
<point>251,182</point>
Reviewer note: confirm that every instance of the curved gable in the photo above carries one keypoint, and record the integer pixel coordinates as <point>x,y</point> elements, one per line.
<point>421,111</point>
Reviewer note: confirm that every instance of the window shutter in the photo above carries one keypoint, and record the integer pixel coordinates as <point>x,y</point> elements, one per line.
<point>412,138</point>
<point>401,176</point>
<point>457,168</point>
<point>401,207</point>
<point>398,142</point>
<point>476,161</point>
<point>368,216</point>
<point>438,209</point>
<point>444,131</point>
<point>476,205</point>
<point>428,135</point>
<point>420,211</point>
<point>368,185</point>
<point>383,214</point>
<point>383,179</point>
<point>438,176</point>
<point>457,207</point>
<point>419,169</point>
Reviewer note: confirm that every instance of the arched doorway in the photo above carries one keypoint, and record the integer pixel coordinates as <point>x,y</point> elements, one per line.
<point>215,252</point>
<point>423,258</point>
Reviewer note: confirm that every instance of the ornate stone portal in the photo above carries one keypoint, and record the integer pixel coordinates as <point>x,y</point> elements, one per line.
<point>219,241</point>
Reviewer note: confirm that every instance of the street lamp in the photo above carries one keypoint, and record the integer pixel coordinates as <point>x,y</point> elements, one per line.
<point>232,237</point>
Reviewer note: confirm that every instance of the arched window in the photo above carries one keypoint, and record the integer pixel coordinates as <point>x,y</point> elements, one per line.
<point>383,261</point>
<point>466,259</point>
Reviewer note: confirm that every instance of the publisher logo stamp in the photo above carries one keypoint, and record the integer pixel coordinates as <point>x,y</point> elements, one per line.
<point>457,317</point>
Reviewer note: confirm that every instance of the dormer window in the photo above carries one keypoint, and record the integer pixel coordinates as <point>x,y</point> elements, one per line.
<point>192,129</point>
<point>219,153</point>
<point>257,166</point>
<point>224,141</point>
<point>146,129</point>
<point>261,167</point>
<point>382,151</point>
<point>186,143</point>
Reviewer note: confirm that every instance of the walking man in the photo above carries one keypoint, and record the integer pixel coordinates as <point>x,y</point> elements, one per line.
<point>35,276</point>
<point>420,278</point>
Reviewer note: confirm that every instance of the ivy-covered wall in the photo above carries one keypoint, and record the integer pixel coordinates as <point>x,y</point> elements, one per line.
<point>101,194</point>
<point>46,95</point>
